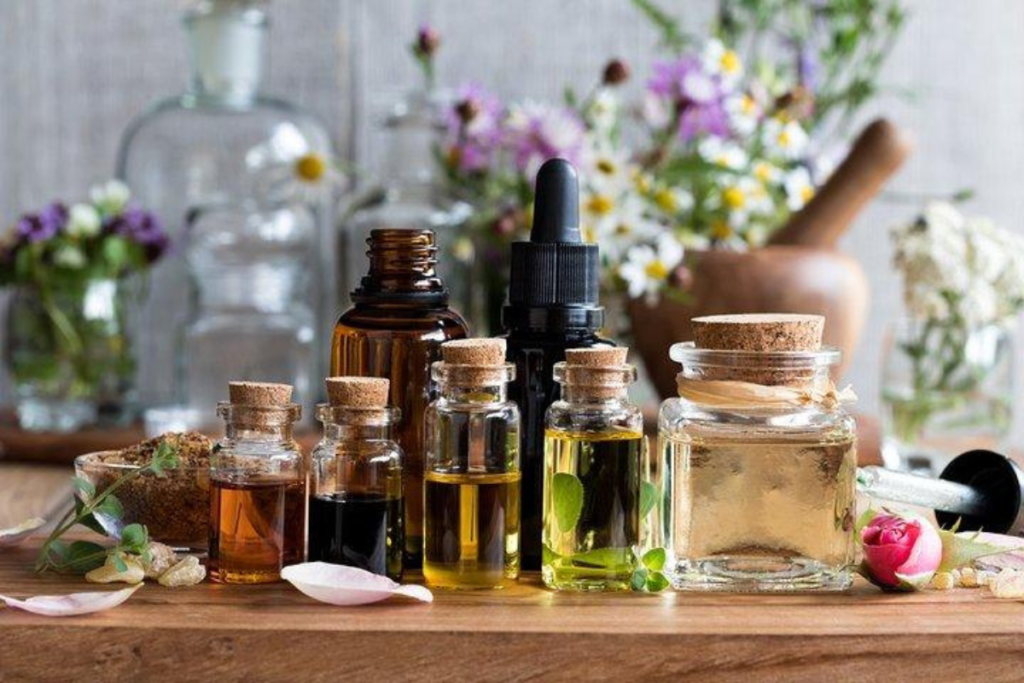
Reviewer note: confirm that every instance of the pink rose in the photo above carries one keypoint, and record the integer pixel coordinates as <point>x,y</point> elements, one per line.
<point>900,552</point>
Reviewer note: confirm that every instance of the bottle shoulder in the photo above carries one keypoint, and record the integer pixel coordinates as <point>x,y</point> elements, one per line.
<point>369,319</point>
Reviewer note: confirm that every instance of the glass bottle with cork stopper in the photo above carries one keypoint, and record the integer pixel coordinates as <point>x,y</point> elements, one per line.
<point>594,452</point>
<point>471,489</point>
<point>395,330</point>
<point>355,505</point>
<point>257,486</point>
<point>759,458</point>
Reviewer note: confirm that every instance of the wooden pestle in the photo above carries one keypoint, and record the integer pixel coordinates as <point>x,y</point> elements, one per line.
<point>877,153</point>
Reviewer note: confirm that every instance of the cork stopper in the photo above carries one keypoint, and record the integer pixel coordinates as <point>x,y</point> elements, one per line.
<point>358,392</point>
<point>260,394</point>
<point>478,352</point>
<point>474,361</point>
<point>261,405</point>
<point>598,357</point>
<point>759,333</point>
<point>765,332</point>
<point>599,372</point>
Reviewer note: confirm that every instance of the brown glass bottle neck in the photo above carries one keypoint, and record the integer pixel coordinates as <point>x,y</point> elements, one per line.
<point>402,269</point>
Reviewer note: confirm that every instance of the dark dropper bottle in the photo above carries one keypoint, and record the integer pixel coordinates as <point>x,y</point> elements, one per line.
<point>552,306</point>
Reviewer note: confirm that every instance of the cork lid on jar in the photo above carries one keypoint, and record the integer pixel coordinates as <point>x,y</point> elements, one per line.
<point>357,401</point>
<point>762,342</point>
<point>261,404</point>
<point>597,372</point>
<point>474,361</point>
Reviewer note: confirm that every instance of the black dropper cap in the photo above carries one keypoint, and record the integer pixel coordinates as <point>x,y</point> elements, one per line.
<point>555,269</point>
<point>1000,481</point>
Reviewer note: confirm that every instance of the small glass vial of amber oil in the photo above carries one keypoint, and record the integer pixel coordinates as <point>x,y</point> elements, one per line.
<point>759,459</point>
<point>355,503</point>
<point>594,452</point>
<point>472,478</point>
<point>257,486</point>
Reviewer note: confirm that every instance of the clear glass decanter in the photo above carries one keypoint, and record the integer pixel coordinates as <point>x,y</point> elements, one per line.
<point>251,320</point>
<point>408,196</point>
<point>216,145</point>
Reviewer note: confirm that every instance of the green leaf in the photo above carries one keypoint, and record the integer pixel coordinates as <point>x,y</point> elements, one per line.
<point>119,563</point>
<point>84,486</point>
<point>110,507</point>
<point>654,559</point>
<point>604,558</point>
<point>639,580</point>
<point>549,556</point>
<point>648,498</point>
<point>960,550</point>
<point>84,556</point>
<point>134,538</point>
<point>865,519</point>
<point>657,582</point>
<point>165,458</point>
<point>567,495</point>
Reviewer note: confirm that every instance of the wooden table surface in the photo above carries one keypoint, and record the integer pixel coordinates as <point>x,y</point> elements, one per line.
<point>272,632</point>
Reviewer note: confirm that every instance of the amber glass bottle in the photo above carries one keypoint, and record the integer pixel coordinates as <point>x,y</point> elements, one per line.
<point>399,319</point>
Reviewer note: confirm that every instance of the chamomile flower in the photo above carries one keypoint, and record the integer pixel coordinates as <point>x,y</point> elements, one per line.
<point>744,113</point>
<point>799,188</point>
<point>646,267</point>
<point>767,172</point>
<point>69,256</point>
<point>672,200</point>
<point>786,139</point>
<point>603,110</point>
<point>83,221</point>
<point>722,61</point>
<point>306,178</point>
<point>723,153</point>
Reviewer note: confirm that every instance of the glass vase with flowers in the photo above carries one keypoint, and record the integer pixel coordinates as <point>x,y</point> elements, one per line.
<point>75,274</point>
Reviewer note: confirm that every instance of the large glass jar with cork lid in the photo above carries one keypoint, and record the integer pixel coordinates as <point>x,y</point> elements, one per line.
<point>759,459</point>
<point>355,504</point>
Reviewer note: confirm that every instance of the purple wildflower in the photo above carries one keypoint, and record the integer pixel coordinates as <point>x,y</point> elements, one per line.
<point>37,227</point>
<point>473,128</point>
<point>807,68</point>
<point>141,227</point>
<point>697,97</point>
<point>428,40</point>
<point>537,132</point>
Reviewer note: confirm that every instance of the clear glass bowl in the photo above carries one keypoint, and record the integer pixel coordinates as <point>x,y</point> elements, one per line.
<point>175,508</point>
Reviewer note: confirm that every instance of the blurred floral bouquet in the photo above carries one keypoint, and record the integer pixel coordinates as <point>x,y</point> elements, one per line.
<point>726,142</point>
<point>67,349</point>
<point>949,370</point>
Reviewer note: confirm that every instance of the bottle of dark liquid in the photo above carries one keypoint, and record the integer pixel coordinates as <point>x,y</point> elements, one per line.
<point>552,306</point>
<point>355,505</point>
<point>257,487</point>
<point>395,330</point>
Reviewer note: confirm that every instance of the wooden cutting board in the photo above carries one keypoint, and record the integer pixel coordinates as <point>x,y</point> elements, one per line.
<point>272,632</point>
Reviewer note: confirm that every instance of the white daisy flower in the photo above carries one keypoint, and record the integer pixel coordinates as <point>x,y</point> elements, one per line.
<point>723,153</point>
<point>83,221</point>
<point>647,268</point>
<point>603,110</point>
<point>69,256</point>
<point>744,113</point>
<point>786,139</point>
<point>725,63</point>
<point>799,188</point>
<point>111,197</point>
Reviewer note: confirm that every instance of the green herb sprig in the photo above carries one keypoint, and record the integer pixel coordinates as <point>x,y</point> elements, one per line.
<point>79,557</point>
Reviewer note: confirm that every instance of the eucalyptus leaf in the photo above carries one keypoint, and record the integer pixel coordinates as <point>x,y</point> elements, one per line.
<point>657,582</point>
<point>84,556</point>
<point>639,581</point>
<point>567,496</point>
<point>110,506</point>
<point>134,538</point>
<point>84,486</point>
<point>119,563</point>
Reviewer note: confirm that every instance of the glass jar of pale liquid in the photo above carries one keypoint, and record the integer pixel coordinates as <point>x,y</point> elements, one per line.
<point>758,472</point>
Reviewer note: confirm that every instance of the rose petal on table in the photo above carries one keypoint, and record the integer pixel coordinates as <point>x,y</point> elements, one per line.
<point>1013,558</point>
<point>17,534</point>
<point>1008,585</point>
<point>72,604</point>
<point>341,585</point>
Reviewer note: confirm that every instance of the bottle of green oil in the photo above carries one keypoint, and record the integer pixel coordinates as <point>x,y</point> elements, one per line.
<point>594,454</point>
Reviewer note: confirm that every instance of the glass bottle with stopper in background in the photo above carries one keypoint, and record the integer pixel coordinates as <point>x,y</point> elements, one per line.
<point>759,459</point>
<point>355,504</point>
<point>471,489</point>
<point>395,328</point>
<point>594,452</point>
<point>257,486</point>
<point>223,143</point>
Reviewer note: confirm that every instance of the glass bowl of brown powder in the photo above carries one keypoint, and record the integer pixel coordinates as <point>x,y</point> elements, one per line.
<point>175,508</point>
